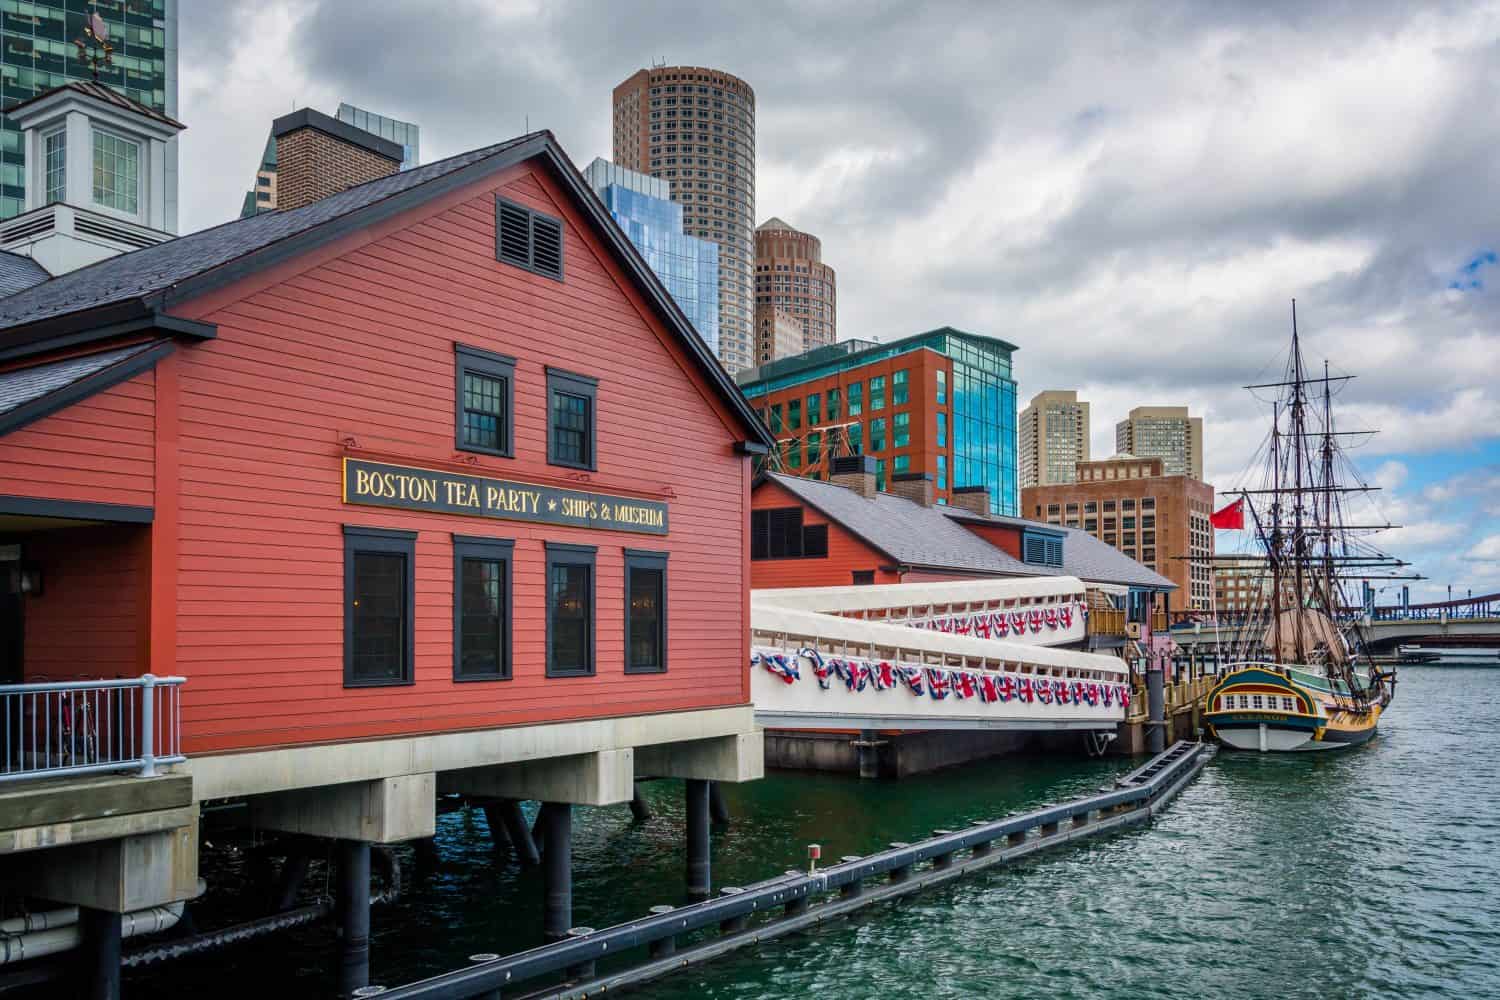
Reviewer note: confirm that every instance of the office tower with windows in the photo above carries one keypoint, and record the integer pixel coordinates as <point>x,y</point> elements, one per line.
<point>1165,432</point>
<point>695,128</point>
<point>790,275</point>
<point>38,54</point>
<point>1054,433</point>
<point>941,403</point>
<point>686,265</point>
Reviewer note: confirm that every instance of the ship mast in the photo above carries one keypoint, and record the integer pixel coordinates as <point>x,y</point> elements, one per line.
<point>1299,433</point>
<point>1273,545</point>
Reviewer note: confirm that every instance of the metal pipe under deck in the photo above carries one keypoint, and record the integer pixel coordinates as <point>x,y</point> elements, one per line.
<point>556,819</point>
<point>757,913</point>
<point>699,873</point>
<point>353,910</point>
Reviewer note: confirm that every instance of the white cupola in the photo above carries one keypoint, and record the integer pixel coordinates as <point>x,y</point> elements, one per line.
<point>96,177</point>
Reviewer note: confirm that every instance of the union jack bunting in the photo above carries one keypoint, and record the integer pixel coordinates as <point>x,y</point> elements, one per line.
<point>963,684</point>
<point>1005,687</point>
<point>854,675</point>
<point>938,684</point>
<point>1060,692</point>
<point>1124,691</point>
<point>1093,693</point>
<point>988,692</point>
<point>1001,625</point>
<point>778,665</point>
<point>1065,615</point>
<point>1018,622</point>
<point>1024,690</point>
<point>1108,693</point>
<point>822,669</point>
<point>1052,617</point>
<point>982,626</point>
<point>883,676</point>
<point>1035,619</point>
<point>911,677</point>
<point>1078,692</point>
<point>1043,689</point>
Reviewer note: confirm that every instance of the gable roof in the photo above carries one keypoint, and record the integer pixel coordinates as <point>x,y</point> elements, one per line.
<point>95,301</point>
<point>29,394</point>
<point>17,272</point>
<point>934,538</point>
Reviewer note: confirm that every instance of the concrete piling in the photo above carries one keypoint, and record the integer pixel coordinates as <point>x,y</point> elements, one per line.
<point>100,965</point>
<point>1156,711</point>
<point>639,811</point>
<point>514,822</point>
<point>717,808</point>
<point>556,821</point>
<point>699,873</point>
<point>352,909</point>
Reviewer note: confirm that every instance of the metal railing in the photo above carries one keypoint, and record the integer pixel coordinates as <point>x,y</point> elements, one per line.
<point>56,728</point>
<point>796,900</point>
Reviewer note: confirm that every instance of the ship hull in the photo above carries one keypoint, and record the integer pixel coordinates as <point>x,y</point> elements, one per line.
<point>1269,709</point>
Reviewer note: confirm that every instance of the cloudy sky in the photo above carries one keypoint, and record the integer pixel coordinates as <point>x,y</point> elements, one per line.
<point>1132,194</point>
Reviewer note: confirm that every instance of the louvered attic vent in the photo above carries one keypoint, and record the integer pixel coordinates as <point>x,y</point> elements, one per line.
<point>528,239</point>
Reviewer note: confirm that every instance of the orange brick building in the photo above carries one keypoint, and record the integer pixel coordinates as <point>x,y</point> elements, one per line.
<point>1160,521</point>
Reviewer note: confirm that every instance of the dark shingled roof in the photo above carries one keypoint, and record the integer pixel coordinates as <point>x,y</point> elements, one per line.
<point>934,537</point>
<point>156,269</point>
<point>28,394</point>
<point>18,272</point>
<point>108,95</point>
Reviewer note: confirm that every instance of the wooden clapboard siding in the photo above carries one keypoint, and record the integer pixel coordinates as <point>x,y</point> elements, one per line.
<point>98,450</point>
<point>354,345</point>
<point>846,551</point>
<point>89,620</point>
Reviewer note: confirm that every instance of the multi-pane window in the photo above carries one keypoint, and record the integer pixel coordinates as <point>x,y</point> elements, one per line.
<point>484,383</point>
<point>942,472</point>
<point>877,392</point>
<point>778,533</point>
<point>775,418</point>
<point>833,405</point>
<point>116,172</point>
<point>942,429</point>
<point>856,398</point>
<point>645,611</point>
<point>814,409</point>
<point>793,414</point>
<point>856,438</point>
<point>378,615</point>
<point>880,474</point>
<point>942,387</point>
<point>902,427</point>
<point>481,608</point>
<point>571,426</point>
<point>899,394</point>
<point>901,463</point>
<point>814,444</point>
<point>56,150</point>
<point>570,610</point>
<point>877,434</point>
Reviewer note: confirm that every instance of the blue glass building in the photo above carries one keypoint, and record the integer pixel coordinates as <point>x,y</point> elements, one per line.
<point>686,265</point>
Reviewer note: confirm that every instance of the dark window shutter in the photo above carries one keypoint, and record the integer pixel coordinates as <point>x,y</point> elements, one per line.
<point>513,233</point>
<point>1036,549</point>
<point>760,531</point>
<point>786,533</point>
<point>546,246</point>
<point>815,541</point>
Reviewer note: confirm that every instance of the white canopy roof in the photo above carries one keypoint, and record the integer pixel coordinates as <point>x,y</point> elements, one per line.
<point>835,631</point>
<point>922,595</point>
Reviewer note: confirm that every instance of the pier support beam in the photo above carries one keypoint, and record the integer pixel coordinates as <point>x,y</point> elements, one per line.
<point>385,811</point>
<point>639,811</point>
<point>557,870</point>
<point>100,965</point>
<point>1156,711</point>
<point>868,747</point>
<point>718,810</point>
<point>516,829</point>
<point>353,913</point>
<point>699,874</point>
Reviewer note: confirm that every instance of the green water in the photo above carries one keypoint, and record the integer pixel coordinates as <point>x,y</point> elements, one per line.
<point>1373,872</point>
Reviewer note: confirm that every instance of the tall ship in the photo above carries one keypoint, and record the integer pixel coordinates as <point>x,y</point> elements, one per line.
<point>1300,677</point>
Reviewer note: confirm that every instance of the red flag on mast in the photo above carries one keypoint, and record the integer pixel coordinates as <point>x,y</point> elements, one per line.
<point>1232,516</point>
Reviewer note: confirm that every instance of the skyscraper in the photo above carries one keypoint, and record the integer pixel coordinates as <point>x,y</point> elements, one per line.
<point>38,54</point>
<point>688,266</point>
<point>695,128</point>
<point>1054,433</point>
<point>790,275</point>
<point>1165,432</point>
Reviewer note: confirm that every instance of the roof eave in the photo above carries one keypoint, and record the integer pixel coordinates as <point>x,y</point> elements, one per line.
<point>117,319</point>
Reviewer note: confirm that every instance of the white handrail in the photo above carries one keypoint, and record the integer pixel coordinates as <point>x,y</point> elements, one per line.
<point>52,728</point>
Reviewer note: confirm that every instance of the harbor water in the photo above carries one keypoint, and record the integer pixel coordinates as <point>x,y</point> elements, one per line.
<point>1373,872</point>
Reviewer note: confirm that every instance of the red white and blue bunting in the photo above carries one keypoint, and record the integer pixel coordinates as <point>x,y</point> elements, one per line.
<point>939,683</point>
<point>1007,624</point>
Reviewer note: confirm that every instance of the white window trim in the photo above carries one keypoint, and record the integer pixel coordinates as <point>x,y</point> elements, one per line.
<point>62,130</point>
<point>142,169</point>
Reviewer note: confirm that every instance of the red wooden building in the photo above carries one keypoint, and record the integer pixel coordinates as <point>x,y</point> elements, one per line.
<point>416,482</point>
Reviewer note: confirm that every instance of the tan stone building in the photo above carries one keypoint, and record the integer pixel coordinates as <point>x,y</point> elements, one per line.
<point>790,275</point>
<point>1157,519</point>
<point>1166,432</point>
<point>778,334</point>
<point>1054,438</point>
<point>695,127</point>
